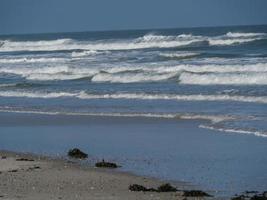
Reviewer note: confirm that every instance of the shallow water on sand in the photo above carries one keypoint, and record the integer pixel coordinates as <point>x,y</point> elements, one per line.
<point>170,149</point>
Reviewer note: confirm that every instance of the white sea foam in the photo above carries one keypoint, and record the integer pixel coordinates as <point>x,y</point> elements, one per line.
<point>36,94</point>
<point>93,46</point>
<point>7,85</point>
<point>213,118</point>
<point>59,72</point>
<point>214,68</point>
<point>237,34</point>
<point>42,45</point>
<point>229,41</point>
<point>186,116</point>
<point>147,41</point>
<point>179,55</point>
<point>198,97</point>
<point>229,130</point>
<point>84,53</point>
<point>236,38</point>
<point>224,79</point>
<point>47,77</point>
<point>137,96</point>
<point>31,60</point>
<point>131,77</point>
<point>24,71</point>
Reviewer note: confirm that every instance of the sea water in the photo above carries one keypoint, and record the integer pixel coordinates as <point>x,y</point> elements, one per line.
<point>215,75</point>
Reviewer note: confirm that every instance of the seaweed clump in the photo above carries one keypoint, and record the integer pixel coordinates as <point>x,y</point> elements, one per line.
<point>163,188</point>
<point>195,193</point>
<point>77,153</point>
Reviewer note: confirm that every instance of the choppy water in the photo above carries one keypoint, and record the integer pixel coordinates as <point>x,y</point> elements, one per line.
<point>219,74</point>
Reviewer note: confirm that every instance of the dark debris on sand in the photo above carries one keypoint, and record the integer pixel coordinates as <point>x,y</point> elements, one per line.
<point>162,188</point>
<point>13,170</point>
<point>140,188</point>
<point>24,159</point>
<point>166,188</point>
<point>105,164</point>
<point>251,195</point>
<point>195,193</point>
<point>77,153</point>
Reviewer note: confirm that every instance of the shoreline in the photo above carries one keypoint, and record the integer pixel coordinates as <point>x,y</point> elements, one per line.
<point>41,177</point>
<point>173,150</point>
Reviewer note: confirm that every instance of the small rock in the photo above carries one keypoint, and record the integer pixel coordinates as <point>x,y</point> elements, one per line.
<point>77,153</point>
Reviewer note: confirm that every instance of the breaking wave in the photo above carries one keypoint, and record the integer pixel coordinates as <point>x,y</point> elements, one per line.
<point>50,73</point>
<point>147,41</point>
<point>131,77</point>
<point>184,73</point>
<point>224,79</point>
<point>237,34</point>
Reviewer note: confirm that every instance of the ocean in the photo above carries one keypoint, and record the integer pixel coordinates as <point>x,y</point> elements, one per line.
<point>216,75</point>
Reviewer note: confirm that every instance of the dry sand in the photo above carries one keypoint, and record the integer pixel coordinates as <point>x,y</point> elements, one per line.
<point>46,178</point>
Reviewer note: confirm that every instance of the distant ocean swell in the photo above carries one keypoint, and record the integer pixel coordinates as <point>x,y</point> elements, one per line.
<point>147,41</point>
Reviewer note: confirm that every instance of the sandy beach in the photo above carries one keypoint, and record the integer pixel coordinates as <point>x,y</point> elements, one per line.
<point>25,176</point>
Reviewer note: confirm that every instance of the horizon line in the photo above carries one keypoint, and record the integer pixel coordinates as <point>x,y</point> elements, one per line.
<point>133,29</point>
